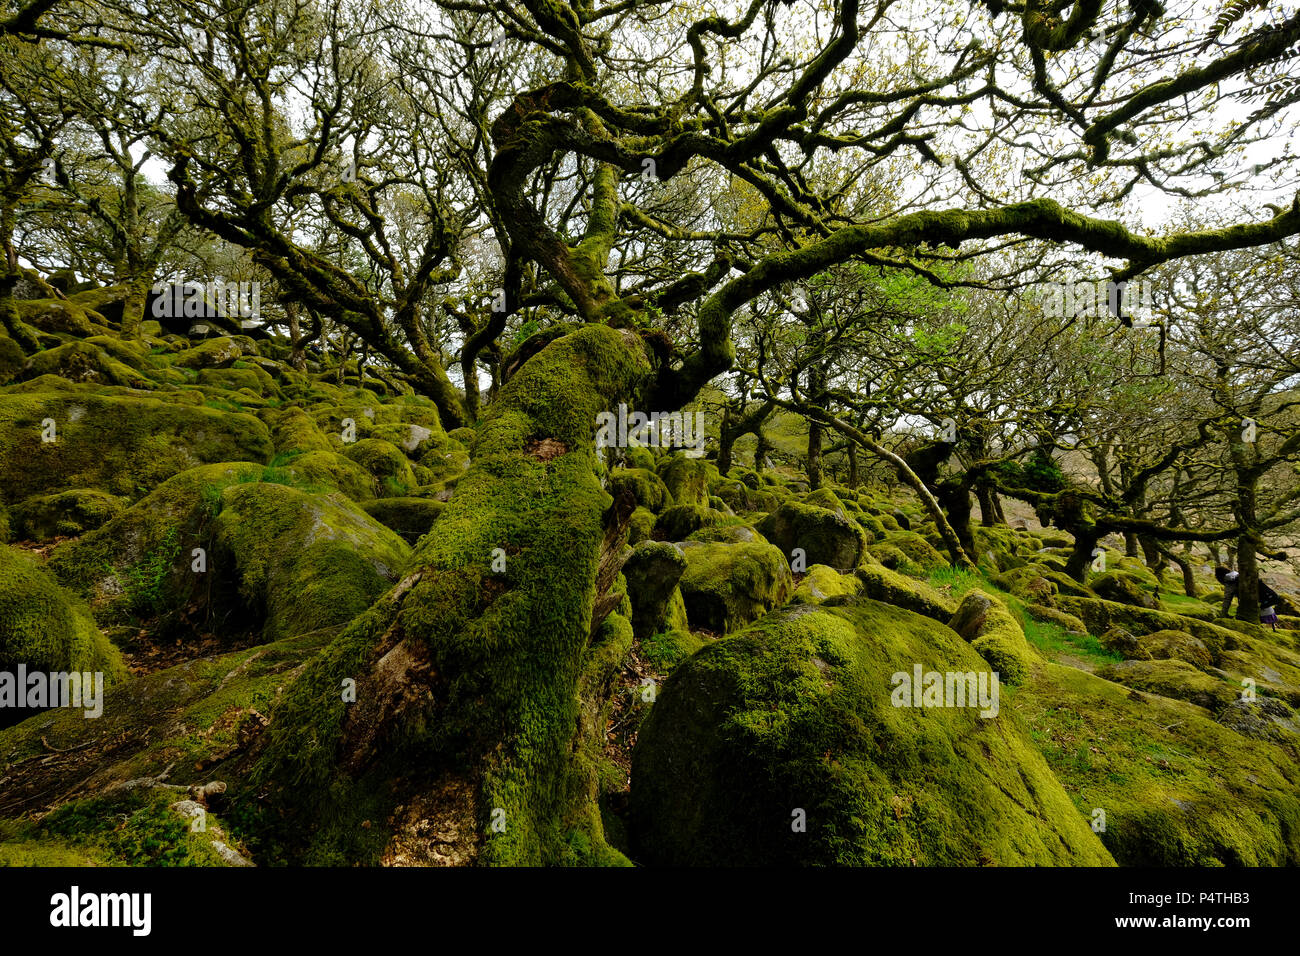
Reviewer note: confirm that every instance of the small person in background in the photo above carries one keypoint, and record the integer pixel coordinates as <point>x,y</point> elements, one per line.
<point>1268,598</point>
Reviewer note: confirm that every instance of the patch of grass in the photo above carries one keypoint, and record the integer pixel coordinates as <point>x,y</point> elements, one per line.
<point>1053,640</point>
<point>957,581</point>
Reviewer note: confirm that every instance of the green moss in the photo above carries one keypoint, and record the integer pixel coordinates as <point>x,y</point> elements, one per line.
<point>1125,588</point>
<point>686,478</point>
<point>742,498</point>
<point>795,714</point>
<point>47,628</point>
<point>507,651</point>
<point>150,542</point>
<point>212,353</point>
<point>995,634</point>
<point>824,536</point>
<point>918,552</point>
<point>409,517</point>
<point>144,831</point>
<point>306,561</point>
<point>80,361</point>
<point>386,463</point>
<point>640,525</point>
<point>640,458</point>
<point>665,650</point>
<point>1173,678</point>
<point>822,582</point>
<point>645,486</point>
<point>888,586</point>
<point>59,316</point>
<point>1176,788</point>
<point>1101,615</point>
<point>117,444</point>
<point>11,359</point>
<point>681,521</point>
<point>65,514</point>
<point>726,586</point>
<point>1051,615</point>
<point>326,469</point>
<point>253,379</point>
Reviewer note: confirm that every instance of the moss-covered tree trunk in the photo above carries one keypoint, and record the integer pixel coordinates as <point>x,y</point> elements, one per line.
<point>469,674</point>
<point>814,455</point>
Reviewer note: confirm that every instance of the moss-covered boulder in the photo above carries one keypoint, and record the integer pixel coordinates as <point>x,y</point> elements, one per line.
<point>1176,788</point>
<point>681,521</point>
<point>414,440</point>
<point>664,650</point>
<point>327,470</point>
<point>46,629</point>
<point>646,487</point>
<point>821,583</point>
<point>1050,615</point>
<point>1029,584</point>
<point>302,561</point>
<point>726,586</point>
<point>824,536</point>
<point>249,378</point>
<point>409,517</point>
<point>120,444</point>
<point>292,429</point>
<point>64,514</point>
<point>140,560</point>
<point>742,498</point>
<point>1101,615</point>
<point>1262,718</point>
<point>1123,588</point>
<point>782,745</point>
<point>731,533</point>
<point>12,359</point>
<point>891,587</point>
<point>686,479</point>
<point>641,526</point>
<point>652,571</point>
<point>220,352</point>
<point>444,460</point>
<point>1121,641</point>
<point>1172,678</point>
<point>985,621</point>
<point>60,316</point>
<point>81,361</point>
<point>825,498</point>
<point>386,463</point>
<point>917,550</point>
<point>1177,645</point>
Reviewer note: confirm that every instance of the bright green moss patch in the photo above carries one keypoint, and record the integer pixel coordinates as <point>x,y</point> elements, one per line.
<point>792,720</point>
<point>129,828</point>
<point>64,514</point>
<point>305,561</point>
<point>726,586</point>
<point>46,628</point>
<point>647,488</point>
<point>121,445</point>
<point>823,536</point>
<point>822,582</point>
<point>1177,789</point>
<point>902,591</point>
